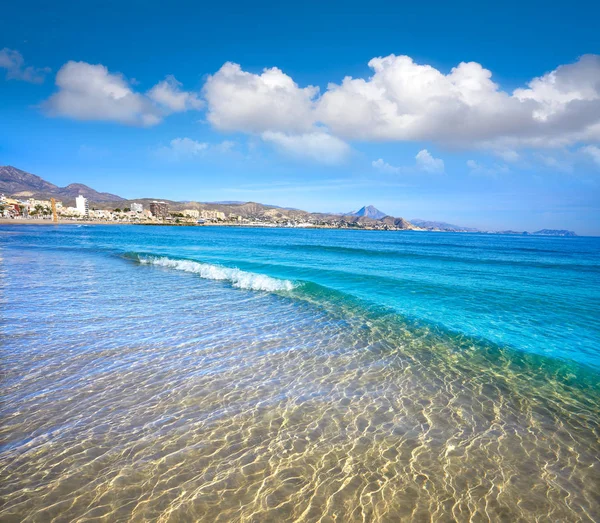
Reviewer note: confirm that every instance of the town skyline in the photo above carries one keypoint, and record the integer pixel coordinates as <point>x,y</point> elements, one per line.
<point>28,192</point>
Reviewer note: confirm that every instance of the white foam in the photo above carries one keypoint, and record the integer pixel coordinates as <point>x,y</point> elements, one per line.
<point>237,277</point>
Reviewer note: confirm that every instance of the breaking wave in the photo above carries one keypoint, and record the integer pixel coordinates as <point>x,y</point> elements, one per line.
<point>237,278</point>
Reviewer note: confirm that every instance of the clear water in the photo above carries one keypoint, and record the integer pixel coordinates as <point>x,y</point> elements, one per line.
<point>233,374</point>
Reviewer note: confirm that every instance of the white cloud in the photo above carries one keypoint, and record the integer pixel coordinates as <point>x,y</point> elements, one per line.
<point>252,103</point>
<point>385,167</point>
<point>593,152</point>
<point>508,155</point>
<point>186,148</point>
<point>317,146</point>
<point>225,146</point>
<point>168,93</point>
<point>408,101</point>
<point>555,91</point>
<point>404,100</point>
<point>13,62</point>
<point>424,162</point>
<point>554,163</point>
<point>428,163</point>
<point>91,92</point>
<point>477,169</point>
<point>401,101</point>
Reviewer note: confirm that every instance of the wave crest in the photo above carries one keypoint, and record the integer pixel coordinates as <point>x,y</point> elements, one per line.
<point>237,278</point>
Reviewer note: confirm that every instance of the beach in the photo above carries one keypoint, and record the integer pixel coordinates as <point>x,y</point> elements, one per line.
<point>235,374</point>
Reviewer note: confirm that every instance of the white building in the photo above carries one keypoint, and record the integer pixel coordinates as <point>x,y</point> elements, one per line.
<point>212,215</point>
<point>32,202</point>
<point>192,213</point>
<point>137,207</point>
<point>81,202</point>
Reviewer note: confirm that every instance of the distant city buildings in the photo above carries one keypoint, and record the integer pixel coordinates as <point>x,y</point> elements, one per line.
<point>32,203</point>
<point>159,209</point>
<point>212,215</point>
<point>204,214</point>
<point>137,207</point>
<point>11,208</point>
<point>81,204</point>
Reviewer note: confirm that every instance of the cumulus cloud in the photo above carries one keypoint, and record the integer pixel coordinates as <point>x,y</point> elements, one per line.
<point>428,163</point>
<point>317,146</point>
<point>14,64</point>
<point>556,90</point>
<point>91,92</point>
<point>168,93</point>
<point>593,152</point>
<point>404,100</point>
<point>256,103</point>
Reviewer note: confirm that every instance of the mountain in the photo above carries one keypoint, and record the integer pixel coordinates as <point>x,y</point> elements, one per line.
<point>368,211</point>
<point>441,226</point>
<point>21,184</point>
<point>15,182</point>
<point>554,232</point>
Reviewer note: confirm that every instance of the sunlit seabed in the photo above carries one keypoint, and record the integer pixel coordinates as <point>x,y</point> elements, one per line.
<point>142,389</point>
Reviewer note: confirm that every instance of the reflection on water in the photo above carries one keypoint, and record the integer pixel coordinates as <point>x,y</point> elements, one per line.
<point>140,393</point>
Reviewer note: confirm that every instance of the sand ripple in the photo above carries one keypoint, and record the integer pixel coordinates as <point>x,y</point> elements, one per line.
<point>131,402</point>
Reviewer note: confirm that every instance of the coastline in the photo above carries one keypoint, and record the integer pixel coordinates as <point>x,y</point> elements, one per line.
<point>8,221</point>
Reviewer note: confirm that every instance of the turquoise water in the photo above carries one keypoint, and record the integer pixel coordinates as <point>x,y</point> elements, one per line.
<point>241,374</point>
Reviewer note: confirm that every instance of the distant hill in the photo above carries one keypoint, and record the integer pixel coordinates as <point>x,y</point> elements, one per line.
<point>21,184</point>
<point>448,227</point>
<point>553,232</point>
<point>441,226</point>
<point>368,211</point>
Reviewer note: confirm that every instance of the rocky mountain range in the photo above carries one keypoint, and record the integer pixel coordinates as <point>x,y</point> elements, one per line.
<point>21,184</point>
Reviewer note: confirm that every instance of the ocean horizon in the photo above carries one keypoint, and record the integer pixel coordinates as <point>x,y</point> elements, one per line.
<point>273,374</point>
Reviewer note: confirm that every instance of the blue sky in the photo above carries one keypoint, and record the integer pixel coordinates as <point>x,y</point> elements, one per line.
<point>481,116</point>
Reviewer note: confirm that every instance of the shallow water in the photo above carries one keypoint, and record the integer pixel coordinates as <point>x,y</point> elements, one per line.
<point>177,374</point>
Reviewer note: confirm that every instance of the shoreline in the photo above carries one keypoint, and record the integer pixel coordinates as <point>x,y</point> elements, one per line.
<point>9,221</point>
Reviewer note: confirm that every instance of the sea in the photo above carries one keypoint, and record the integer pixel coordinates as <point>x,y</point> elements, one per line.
<point>239,374</point>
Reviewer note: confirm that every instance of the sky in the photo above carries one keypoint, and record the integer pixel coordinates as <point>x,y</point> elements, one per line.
<point>478,115</point>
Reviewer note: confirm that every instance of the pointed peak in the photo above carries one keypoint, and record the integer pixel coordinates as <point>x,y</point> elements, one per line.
<point>370,211</point>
